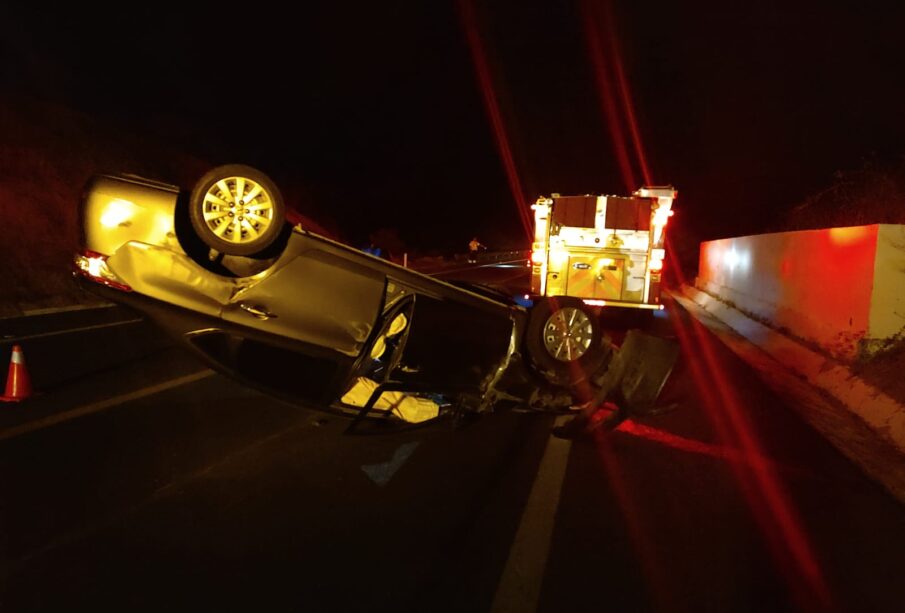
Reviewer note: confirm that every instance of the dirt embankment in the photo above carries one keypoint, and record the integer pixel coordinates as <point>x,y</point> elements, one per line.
<point>47,155</point>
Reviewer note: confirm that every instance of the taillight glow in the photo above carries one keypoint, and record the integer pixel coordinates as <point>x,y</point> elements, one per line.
<point>656,264</point>
<point>537,256</point>
<point>93,265</point>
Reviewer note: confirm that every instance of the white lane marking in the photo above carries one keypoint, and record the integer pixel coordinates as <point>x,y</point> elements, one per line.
<point>172,488</point>
<point>383,472</point>
<point>102,405</point>
<point>519,588</point>
<point>51,310</point>
<point>16,339</point>
<point>66,309</point>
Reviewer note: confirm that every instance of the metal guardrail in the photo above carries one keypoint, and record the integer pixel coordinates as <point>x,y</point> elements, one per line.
<point>459,262</point>
<point>496,256</point>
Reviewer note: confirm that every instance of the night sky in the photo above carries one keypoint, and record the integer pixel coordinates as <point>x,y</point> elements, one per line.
<point>375,113</point>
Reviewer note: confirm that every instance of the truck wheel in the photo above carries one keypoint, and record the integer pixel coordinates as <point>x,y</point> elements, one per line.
<point>564,339</point>
<point>236,210</point>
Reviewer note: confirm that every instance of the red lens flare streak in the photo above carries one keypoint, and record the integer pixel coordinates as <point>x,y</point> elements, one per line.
<point>756,476</point>
<point>658,574</point>
<point>611,82</point>
<point>625,93</point>
<point>722,452</point>
<point>755,472</point>
<point>469,22</point>
<point>656,570</point>
<point>606,88</point>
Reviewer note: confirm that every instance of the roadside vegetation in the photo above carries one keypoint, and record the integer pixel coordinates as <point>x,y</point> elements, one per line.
<point>49,152</point>
<point>47,155</point>
<point>870,194</point>
<point>873,193</point>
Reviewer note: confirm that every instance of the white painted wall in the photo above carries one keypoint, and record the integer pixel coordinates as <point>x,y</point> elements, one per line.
<point>842,289</point>
<point>887,315</point>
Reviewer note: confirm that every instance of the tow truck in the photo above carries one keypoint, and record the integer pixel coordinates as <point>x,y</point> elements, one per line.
<point>607,251</point>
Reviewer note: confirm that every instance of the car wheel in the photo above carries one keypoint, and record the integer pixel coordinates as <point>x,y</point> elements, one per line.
<point>236,210</point>
<point>564,339</point>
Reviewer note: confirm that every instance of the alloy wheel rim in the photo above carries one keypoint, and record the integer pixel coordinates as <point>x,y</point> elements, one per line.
<point>568,334</point>
<point>237,210</point>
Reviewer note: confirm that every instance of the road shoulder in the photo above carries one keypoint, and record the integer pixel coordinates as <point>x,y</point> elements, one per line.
<point>861,421</point>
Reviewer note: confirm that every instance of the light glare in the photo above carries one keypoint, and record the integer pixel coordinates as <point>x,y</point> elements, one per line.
<point>117,212</point>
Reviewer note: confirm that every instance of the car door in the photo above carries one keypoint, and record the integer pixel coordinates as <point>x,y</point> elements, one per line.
<point>321,297</point>
<point>454,343</point>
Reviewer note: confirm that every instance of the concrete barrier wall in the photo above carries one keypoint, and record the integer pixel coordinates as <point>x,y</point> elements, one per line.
<point>842,289</point>
<point>887,315</point>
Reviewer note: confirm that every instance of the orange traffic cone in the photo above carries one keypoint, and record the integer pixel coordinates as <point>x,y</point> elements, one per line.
<point>18,383</point>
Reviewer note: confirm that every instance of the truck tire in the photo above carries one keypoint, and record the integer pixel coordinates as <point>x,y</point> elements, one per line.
<point>564,339</point>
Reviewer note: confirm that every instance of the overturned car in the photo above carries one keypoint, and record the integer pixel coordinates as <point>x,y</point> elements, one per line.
<point>224,268</point>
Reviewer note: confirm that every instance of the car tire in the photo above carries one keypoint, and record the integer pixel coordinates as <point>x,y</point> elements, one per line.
<point>235,223</point>
<point>563,339</point>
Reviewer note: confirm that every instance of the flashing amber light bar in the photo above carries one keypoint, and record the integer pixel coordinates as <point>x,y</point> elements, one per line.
<point>634,305</point>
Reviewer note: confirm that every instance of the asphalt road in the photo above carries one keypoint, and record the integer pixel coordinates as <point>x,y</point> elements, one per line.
<point>164,486</point>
